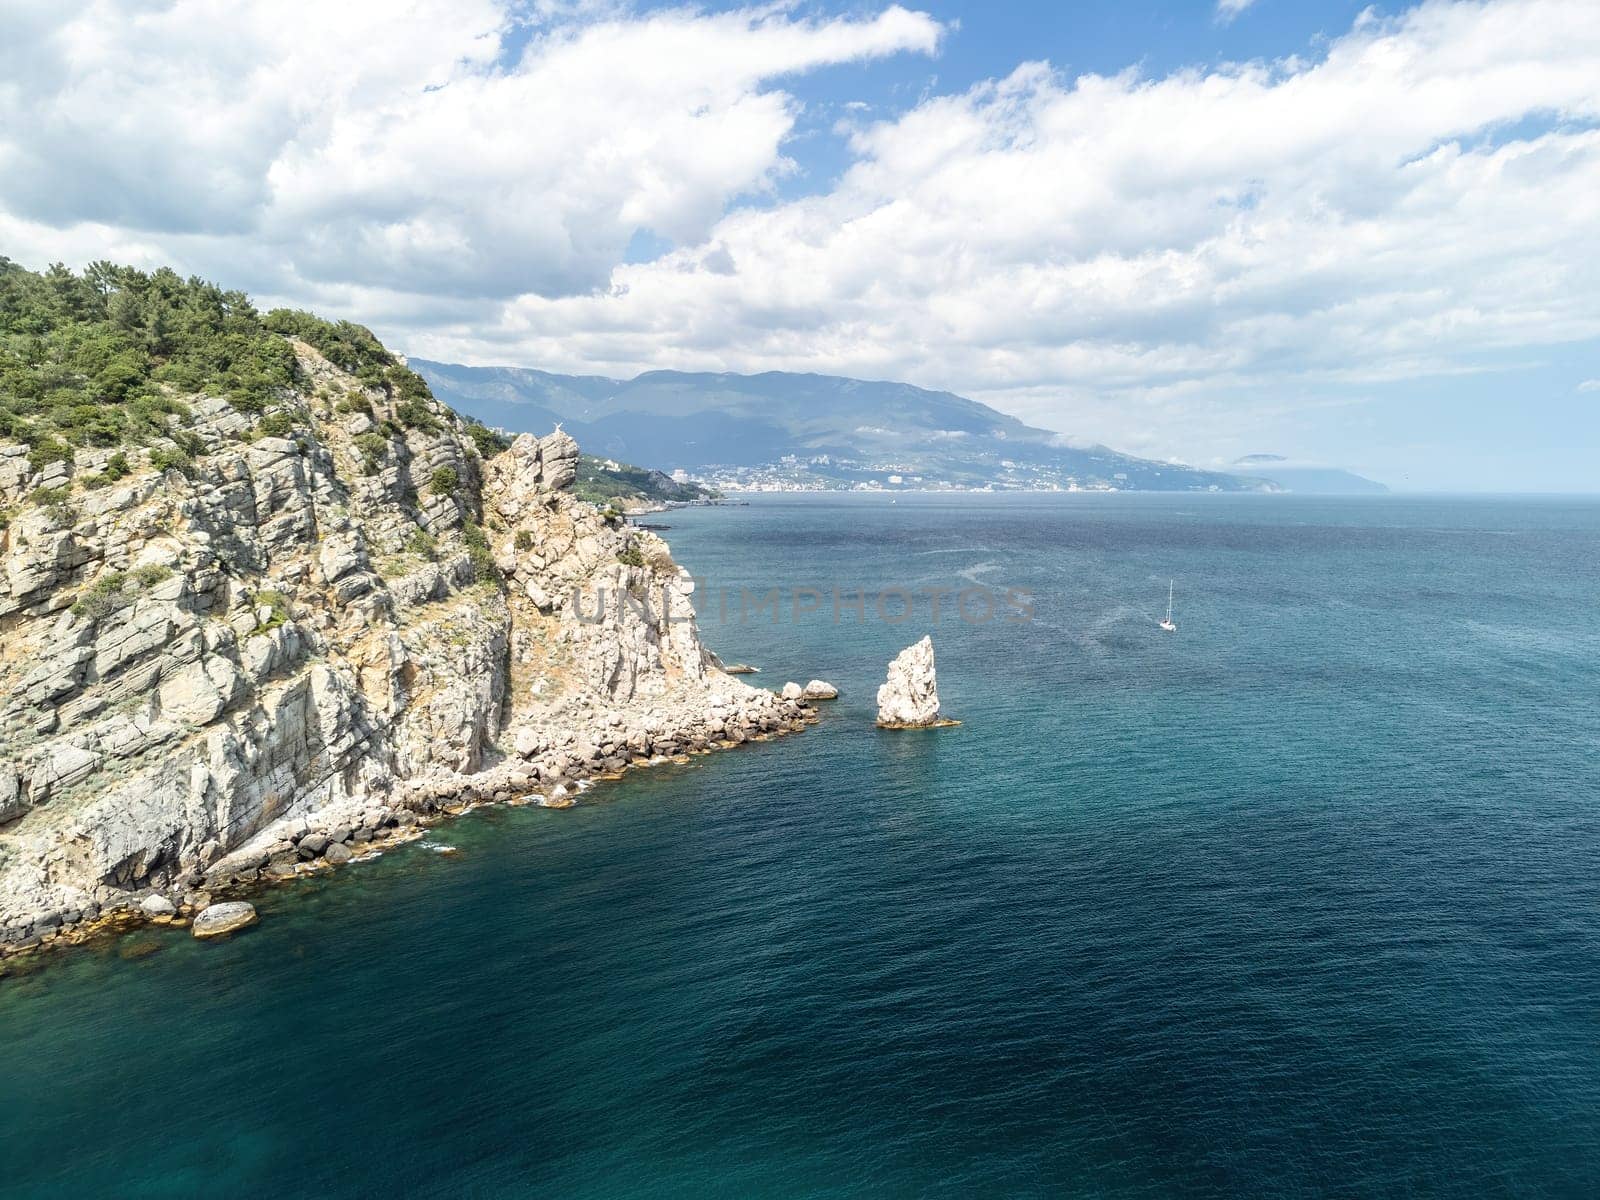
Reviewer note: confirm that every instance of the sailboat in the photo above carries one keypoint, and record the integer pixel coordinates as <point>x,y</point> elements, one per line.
<point>1167,624</point>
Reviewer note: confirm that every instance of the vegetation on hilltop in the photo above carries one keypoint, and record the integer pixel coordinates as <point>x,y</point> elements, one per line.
<point>602,482</point>
<point>105,358</point>
<point>355,349</point>
<point>100,359</point>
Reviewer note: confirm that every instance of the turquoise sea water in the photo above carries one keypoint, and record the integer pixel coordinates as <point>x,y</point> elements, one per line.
<point>1301,901</point>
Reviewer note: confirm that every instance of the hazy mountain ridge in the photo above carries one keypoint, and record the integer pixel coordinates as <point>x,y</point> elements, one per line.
<point>832,430</point>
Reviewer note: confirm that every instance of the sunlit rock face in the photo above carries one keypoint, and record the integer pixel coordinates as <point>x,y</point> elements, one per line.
<point>909,698</point>
<point>331,629</point>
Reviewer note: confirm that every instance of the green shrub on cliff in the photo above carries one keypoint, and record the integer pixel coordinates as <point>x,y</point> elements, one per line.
<point>106,596</point>
<point>171,458</point>
<point>488,442</point>
<point>414,413</point>
<point>276,606</point>
<point>373,447</point>
<point>275,424</point>
<point>116,590</point>
<point>149,576</point>
<point>423,544</point>
<point>483,568</point>
<point>46,450</point>
<point>116,467</point>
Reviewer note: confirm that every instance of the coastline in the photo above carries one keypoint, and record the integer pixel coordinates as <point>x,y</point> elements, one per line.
<point>510,783</point>
<point>298,647</point>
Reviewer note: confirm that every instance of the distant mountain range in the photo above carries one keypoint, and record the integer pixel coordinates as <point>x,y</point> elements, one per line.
<point>1304,477</point>
<point>788,430</point>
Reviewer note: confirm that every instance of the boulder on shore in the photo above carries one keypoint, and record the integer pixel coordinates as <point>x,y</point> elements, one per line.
<point>909,698</point>
<point>792,691</point>
<point>219,919</point>
<point>819,689</point>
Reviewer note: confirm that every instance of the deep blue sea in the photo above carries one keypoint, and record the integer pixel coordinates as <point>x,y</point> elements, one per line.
<point>1300,901</point>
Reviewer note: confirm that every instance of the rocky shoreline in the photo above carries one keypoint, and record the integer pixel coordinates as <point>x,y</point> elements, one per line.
<point>318,847</point>
<point>314,640</point>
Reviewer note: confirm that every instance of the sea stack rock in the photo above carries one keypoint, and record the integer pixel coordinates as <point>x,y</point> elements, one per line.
<point>909,699</point>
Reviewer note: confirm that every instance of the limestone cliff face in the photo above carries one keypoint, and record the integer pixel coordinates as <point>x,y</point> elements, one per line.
<point>297,630</point>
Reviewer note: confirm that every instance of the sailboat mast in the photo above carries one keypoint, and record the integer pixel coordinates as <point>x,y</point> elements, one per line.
<point>1169,599</point>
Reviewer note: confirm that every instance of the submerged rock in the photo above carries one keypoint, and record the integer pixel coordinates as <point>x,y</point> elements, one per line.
<point>157,906</point>
<point>909,698</point>
<point>224,918</point>
<point>819,689</point>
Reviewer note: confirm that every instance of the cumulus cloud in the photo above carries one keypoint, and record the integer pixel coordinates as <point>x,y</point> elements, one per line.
<point>345,145</point>
<point>1589,385</point>
<point>1143,259</point>
<point>1227,10</point>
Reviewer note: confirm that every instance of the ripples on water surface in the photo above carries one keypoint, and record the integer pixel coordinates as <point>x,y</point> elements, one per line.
<point>1302,901</point>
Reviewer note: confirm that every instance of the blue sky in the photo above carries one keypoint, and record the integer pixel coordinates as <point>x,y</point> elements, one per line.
<point>1351,235</point>
<point>989,40</point>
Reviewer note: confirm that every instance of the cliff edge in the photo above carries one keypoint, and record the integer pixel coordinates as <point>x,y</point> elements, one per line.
<point>334,613</point>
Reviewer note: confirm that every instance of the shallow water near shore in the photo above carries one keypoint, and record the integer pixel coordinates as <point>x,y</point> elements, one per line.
<point>1301,900</point>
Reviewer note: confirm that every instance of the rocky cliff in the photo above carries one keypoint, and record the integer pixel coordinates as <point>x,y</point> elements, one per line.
<point>336,618</point>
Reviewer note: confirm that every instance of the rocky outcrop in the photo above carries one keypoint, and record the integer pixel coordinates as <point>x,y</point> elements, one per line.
<point>334,632</point>
<point>819,689</point>
<point>909,698</point>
